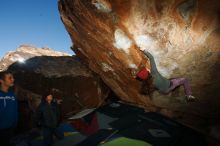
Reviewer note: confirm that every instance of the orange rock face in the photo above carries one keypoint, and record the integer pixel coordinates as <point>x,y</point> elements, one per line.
<point>183,36</point>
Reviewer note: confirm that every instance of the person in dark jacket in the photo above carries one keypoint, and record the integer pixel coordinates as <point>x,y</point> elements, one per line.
<point>48,116</point>
<point>8,108</point>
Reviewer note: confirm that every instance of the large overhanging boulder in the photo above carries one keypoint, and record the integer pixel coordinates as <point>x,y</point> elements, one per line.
<point>183,36</point>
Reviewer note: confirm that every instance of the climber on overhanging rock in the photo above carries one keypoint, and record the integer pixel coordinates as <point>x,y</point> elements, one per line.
<point>155,79</point>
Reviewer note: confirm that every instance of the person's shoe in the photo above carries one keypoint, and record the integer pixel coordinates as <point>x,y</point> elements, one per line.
<point>190,98</point>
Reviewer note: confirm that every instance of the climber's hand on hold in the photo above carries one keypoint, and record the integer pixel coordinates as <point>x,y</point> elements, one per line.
<point>142,48</point>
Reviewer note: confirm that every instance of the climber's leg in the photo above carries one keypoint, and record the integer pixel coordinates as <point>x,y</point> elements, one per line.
<point>178,82</point>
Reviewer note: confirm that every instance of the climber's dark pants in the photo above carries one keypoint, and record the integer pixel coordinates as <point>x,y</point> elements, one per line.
<point>48,135</point>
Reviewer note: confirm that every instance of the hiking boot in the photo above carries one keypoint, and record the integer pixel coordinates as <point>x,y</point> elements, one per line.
<point>190,98</point>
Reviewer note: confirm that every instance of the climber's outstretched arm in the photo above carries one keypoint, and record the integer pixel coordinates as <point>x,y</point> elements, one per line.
<point>148,54</point>
<point>152,62</point>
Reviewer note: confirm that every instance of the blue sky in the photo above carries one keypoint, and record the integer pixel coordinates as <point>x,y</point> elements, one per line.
<point>33,22</point>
